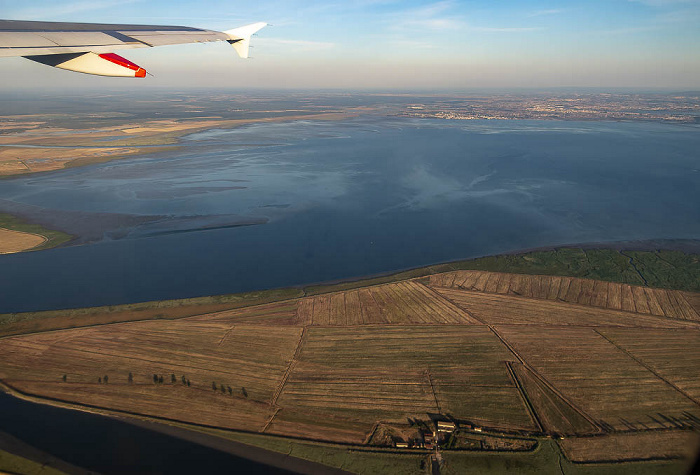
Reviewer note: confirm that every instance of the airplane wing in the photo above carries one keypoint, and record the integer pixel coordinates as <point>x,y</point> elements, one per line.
<point>87,47</point>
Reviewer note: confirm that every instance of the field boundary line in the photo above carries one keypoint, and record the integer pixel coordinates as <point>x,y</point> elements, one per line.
<point>404,292</point>
<point>385,320</point>
<point>432,389</point>
<point>226,334</point>
<point>524,396</point>
<point>681,295</point>
<point>662,318</point>
<point>290,368</point>
<point>517,294</point>
<point>542,379</point>
<point>456,307</point>
<point>269,421</point>
<point>648,368</point>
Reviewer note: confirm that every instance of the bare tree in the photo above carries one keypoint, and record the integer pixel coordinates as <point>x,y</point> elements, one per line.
<point>213,385</point>
<point>244,392</point>
<point>131,377</point>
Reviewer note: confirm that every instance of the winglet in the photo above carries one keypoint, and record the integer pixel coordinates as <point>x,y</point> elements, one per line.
<point>240,37</point>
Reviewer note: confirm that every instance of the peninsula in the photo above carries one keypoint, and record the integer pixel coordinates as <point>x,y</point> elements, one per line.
<point>443,363</point>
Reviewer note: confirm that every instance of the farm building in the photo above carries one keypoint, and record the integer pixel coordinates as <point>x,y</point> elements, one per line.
<point>446,426</point>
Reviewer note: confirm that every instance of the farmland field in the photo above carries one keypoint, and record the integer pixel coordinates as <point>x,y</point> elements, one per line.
<point>632,446</point>
<point>612,295</point>
<point>390,373</point>
<point>610,387</point>
<point>511,355</point>
<point>17,235</point>
<point>17,241</point>
<point>496,309</point>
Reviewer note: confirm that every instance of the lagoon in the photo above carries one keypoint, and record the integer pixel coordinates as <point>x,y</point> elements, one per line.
<point>281,204</point>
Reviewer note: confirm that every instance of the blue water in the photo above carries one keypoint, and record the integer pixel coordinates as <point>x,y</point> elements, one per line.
<point>110,446</point>
<point>351,198</point>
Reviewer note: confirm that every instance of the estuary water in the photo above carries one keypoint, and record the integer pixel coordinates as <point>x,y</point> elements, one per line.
<point>282,204</point>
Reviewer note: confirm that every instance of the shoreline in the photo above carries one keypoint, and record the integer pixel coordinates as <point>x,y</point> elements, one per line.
<point>60,149</point>
<point>191,433</point>
<point>21,225</point>
<point>531,262</point>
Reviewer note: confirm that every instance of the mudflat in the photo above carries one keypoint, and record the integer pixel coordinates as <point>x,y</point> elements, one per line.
<point>35,146</point>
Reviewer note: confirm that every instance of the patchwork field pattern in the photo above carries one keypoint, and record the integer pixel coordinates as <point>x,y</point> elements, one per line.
<point>553,413</point>
<point>249,359</point>
<point>405,302</point>
<point>510,354</point>
<point>598,378</point>
<point>672,354</point>
<point>612,295</point>
<point>384,373</point>
<point>502,309</point>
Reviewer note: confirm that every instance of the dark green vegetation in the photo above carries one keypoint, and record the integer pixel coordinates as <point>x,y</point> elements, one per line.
<point>662,269</point>
<point>54,238</point>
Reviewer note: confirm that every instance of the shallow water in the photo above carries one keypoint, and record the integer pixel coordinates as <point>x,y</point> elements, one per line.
<point>330,200</point>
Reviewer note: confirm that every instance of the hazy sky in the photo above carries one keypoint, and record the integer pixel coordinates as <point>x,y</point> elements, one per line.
<point>391,44</point>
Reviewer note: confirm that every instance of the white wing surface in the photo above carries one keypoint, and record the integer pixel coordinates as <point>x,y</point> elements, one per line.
<point>87,47</point>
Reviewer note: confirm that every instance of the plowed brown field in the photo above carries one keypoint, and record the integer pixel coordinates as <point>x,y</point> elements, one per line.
<point>17,241</point>
<point>612,295</point>
<point>505,352</point>
<point>600,379</point>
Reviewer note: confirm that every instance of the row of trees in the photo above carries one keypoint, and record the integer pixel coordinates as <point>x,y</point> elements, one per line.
<point>159,379</point>
<point>226,388</point>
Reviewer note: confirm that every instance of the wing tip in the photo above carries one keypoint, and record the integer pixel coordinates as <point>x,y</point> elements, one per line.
<point>239,37</point>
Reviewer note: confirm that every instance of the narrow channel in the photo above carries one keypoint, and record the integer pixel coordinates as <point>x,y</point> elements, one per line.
<point>110,446</point>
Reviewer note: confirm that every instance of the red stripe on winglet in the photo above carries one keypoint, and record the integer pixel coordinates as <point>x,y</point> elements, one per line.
<point>116,59</point>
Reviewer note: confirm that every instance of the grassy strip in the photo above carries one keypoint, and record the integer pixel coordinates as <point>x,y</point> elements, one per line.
<point>32,322</point>
<point>548,459</point>
<point>354,459</point>
<point>545,459</point>
<point>54,238</point>
<point>10,463</point>
<point>663,269</point>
